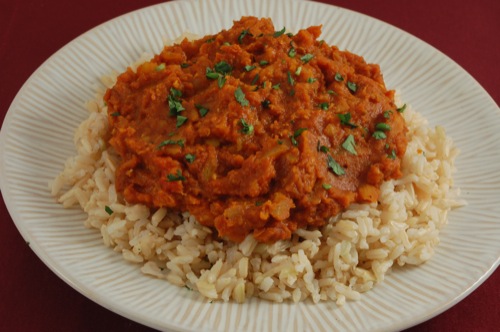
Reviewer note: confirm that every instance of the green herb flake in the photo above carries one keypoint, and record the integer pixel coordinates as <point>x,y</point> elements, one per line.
<point>292,53</point>
<point>334,166</point>
<point>226,44</point>
<point>289,34</point>
<point>249,68</point>
<point>176,177</point>
<point>174,102</point>
<point>171,142</point>
<point>266,103</point>
<point>223,67</point>
<point>263,62</point>
<point>311,80</point>
<point>210,40</point>
<point>190,158</point>
<point>108,210</point>
<point>324,106</point>
<point>240,97</point>
<point>331,92</point>
<point>387,114</point>
<point>392,155</point>
<point>326,186</point>
<point>353,87</point>
<point>382,126</point>
<point>184,65</point>
<point>324,149</point>
<point>247,128</point>
<point>255,79</point>
<point>378,135</point>
<point>279,33</point>
<point>339,77</point>
<point>291,81</point>
<point>296,134</point>
<point>115,114</point>
<point>306,58</point>
<point>402,109</point>
<point>243,34</point>
<point>298,71</point>
<point>180,120</point>
<point>221,80</point>
<point>345,119</point>
<point>350,145</point>
<point>211,74</point>
<point>160,67</point>
<point>202,110</point>
<point>276,86</point>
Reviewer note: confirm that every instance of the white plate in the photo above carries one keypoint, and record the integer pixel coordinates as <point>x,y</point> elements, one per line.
<point>36,138</point>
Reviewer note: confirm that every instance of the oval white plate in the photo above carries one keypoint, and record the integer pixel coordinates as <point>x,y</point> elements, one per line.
<point>36,138</point>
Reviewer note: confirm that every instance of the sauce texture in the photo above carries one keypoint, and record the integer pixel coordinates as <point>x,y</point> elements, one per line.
<point>255,131</point>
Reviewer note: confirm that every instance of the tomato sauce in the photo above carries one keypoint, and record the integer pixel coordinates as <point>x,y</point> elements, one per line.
<point>255,131</point>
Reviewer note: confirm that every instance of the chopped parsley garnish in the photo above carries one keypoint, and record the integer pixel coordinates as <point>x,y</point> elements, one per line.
<point>265,103</point>
<point>176,177</point>
<point>306,58</point>
<point>190,158</point>
<point>240,97</point>
<point>324,106</point>
<point>292,52</point>
<point>291,81</point>
<point>279,33</point>
<point>276,86</point>
<point>311,80</point>
<point>402,108</point>
<point>338,77</point>
<point>392,155</point>
<point>171,142</point>
<point>334,166</point>
<point>221,80</point>
<point>249,68</point>
<point>247,128</point>
<point>184,65</point>
<point>298,71</point>
<point>223,67</point>
<point>243,34</point>
<point>115,114</point>
<point>350,145</point>
<point>296,134</point>
<point>255,79</point>
<point>211,74</point>
<point>108,210</point>
<point>160,67</point>
<point>345,119</point>
<point>174,102</point>
<point>263,62</point>
<point>202,110</point>
<point>382,126</point>
<point>326,186</point>
<point>379,135</point>
<point>180,120</point>
<point>331,92</point>
<point>387,114</point>
<point>210,40</point>
<point>353,87</point>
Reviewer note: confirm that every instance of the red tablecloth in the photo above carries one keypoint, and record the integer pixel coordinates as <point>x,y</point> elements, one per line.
<point>32,298</point>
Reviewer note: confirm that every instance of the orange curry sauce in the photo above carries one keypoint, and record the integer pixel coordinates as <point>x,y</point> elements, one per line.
<point>255,131</point>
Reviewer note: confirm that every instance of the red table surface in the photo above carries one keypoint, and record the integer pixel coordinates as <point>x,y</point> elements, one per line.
<point>32,298</point>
